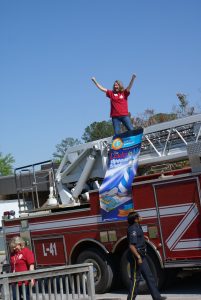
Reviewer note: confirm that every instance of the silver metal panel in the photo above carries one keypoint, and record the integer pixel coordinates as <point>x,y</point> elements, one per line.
<point>7,185</point>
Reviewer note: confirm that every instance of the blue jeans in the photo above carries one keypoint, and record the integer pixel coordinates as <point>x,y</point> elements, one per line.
<point>20,292</point>
<point>125,120</point>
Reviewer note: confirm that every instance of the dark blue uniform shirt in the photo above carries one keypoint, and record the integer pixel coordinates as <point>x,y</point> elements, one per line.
<point>135,236</point>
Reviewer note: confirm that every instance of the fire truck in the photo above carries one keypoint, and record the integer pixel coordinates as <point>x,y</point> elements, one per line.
<point>64,226</point>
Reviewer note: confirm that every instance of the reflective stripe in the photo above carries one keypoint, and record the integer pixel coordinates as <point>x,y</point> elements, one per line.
<point>134,279</point>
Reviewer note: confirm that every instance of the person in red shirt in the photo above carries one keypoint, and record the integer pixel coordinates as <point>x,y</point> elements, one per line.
<point>21,259</point>
<point>119,103</point>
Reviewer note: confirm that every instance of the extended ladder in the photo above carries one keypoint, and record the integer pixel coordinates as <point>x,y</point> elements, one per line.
<point>170,141</point>
<point>165,142</point>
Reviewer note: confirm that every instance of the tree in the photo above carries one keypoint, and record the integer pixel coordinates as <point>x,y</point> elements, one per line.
<point>149,117</point>
<point>63,146</point>
<point>104,129</point>
<point>183,109</point>
<point>98,130</point>
<point>6,162</point>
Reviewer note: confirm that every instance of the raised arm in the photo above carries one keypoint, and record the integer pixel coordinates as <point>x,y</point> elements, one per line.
<point>131,83</point>
<point>98,85</point>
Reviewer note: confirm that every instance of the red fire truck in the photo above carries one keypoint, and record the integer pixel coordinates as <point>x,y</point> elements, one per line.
<point>67,228</point>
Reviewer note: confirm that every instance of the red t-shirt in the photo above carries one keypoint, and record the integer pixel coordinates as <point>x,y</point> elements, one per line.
<point>21,261</point>
<point>119,103</point>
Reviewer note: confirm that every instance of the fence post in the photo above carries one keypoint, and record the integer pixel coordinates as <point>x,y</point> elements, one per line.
<point>5,289</point>
<point>90,283</point>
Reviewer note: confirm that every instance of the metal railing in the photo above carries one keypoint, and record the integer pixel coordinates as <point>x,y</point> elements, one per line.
<point>65,282</point>
<point>32,179</point>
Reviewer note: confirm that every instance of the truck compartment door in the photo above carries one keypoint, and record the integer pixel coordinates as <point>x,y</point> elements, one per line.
<point>179,215</point>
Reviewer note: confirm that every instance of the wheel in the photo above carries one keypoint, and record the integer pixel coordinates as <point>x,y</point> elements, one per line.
<point>157,272</point>
<point>103,273</point>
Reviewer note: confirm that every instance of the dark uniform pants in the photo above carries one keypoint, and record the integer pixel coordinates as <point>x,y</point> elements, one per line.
<point>136,271</point>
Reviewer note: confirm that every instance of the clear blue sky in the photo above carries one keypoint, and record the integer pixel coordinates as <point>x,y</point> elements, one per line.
<point>49,50</point>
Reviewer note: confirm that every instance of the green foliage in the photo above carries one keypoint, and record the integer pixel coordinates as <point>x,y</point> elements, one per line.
<point>162,117</point>
<point>63,146</point>
<point>183,109</point>
<point>104,129</point>
<point>98,130</point>
<point>149,117</point>
<point>6,164</point>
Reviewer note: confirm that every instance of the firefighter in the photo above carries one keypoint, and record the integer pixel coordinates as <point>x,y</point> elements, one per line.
<point>137,259</point>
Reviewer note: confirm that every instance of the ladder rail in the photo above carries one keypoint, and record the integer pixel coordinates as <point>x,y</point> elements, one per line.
<point>172,124</point>
<point>29,179</point>
<point>163,141</point>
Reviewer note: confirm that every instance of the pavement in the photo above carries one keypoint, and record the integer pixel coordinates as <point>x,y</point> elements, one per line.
<point>187,288</point>
<point>123,296</point>
<point>109,296</point>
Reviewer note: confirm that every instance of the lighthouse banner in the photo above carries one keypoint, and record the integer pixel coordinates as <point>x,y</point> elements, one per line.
<point>116,189</point>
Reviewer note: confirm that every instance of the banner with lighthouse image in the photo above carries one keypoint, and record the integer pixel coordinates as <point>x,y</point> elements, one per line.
<point>116,189</point>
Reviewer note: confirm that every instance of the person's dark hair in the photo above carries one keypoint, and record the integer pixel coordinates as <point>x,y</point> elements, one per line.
<point>132,216</point>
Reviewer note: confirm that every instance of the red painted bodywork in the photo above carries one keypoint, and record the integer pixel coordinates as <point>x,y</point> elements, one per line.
<point>170,207</point>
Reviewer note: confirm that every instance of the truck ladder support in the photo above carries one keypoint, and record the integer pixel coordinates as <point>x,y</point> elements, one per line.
<point>85,174</point>
<point>162,143</point>
<point>85,165</point>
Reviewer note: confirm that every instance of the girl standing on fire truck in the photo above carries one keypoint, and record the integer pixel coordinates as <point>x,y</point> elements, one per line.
<point>22,259</point>
<point>119,103</point>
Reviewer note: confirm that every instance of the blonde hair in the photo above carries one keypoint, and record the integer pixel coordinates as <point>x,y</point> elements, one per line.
<point>121,87</point>
<point>17,240</point>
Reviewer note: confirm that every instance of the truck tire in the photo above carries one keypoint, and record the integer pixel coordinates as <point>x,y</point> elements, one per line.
<point>103,273</point>
<point>154,266</point>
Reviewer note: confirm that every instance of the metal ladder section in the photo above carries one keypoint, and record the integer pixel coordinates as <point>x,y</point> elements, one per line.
<point>30,180</point>
<point>169,141</point>
<point>161,142</point>
<point>164,142</point>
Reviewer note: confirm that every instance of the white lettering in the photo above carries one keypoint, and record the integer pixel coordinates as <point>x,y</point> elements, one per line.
<point>52,249</point>
<point>44,253</point>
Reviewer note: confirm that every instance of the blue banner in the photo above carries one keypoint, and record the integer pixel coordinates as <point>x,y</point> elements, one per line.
<point>116,189</point>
